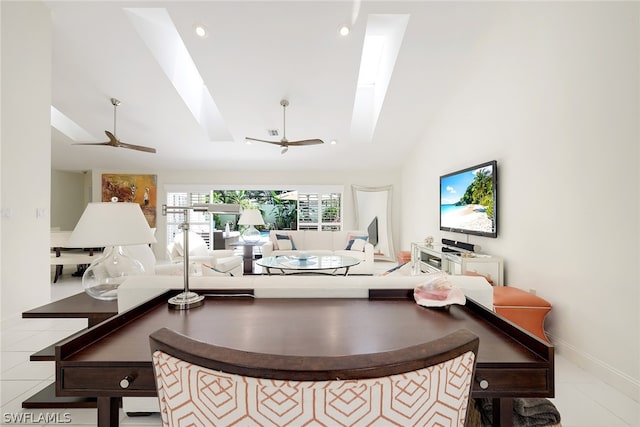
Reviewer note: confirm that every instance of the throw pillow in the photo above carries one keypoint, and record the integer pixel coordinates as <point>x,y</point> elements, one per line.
<point>281,240</point>
<point>357,245</point>
<point>284,245</point>
<point>352,239</point>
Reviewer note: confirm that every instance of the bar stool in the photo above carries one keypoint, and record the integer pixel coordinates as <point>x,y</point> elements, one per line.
<point>522,308</point>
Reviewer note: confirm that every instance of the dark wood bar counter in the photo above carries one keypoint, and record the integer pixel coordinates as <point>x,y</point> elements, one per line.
<point>511,362</point>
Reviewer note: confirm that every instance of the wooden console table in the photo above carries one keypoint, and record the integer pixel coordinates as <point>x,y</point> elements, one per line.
<point>74,307</point>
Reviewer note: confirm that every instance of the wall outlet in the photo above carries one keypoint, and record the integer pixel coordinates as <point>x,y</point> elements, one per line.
<point>532,291</point>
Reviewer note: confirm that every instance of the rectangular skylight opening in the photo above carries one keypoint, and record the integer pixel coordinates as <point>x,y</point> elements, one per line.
<point>370,62</point>
<point>157,30</point>
<point>68,127</point>
<point>382,43</point>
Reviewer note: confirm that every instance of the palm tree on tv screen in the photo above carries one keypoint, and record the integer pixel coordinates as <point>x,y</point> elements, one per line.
<point>480,191</point>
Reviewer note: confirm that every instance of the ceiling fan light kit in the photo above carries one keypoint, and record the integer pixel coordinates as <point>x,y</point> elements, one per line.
<point>113,139</point>
<point>284,143</point>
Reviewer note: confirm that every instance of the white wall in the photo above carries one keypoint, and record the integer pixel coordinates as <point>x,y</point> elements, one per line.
<point>68,203</point>
<point>25,156</point>
<point>552,93</point>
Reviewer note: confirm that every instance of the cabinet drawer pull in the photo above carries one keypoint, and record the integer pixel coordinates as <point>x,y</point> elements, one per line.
<point>126,381</point>
<point>483,383</point>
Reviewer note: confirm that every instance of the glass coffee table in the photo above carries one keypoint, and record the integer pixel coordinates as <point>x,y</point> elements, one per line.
<point>308,264</point>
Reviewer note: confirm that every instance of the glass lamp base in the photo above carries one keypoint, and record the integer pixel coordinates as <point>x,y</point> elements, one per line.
<point>102,278</point>
<point>251,235</point>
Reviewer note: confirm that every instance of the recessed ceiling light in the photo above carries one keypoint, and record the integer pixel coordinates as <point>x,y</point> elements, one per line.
<point>333,142</point>
<point>201,31</point>
<point>344,30</point>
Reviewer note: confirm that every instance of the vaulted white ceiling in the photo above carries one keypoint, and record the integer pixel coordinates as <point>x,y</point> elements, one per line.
<point>255,54</point>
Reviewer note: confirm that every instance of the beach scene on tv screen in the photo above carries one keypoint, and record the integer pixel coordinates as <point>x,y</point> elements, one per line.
<point>466,200</point>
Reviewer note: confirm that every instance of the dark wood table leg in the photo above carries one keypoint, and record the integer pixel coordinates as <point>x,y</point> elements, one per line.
<point>58,273</point>
<point>502,412</point>
<point>248,259</point>
<point>108,411</point>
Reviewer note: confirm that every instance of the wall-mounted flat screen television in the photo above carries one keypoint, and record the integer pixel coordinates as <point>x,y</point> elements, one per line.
<point>468,200</point>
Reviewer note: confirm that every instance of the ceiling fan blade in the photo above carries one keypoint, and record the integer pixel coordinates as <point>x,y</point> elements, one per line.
<point>264,140</point>
<point>284,143</point>
<point>136,147</point>
<point>112,141</point>
<point>92,143</point>
<point>117,143</point>
<point>112,138</point>
<point>307,142</point>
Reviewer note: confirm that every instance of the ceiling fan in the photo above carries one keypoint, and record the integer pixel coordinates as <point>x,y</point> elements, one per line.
<point>284,143</point>
<point>113,140</point>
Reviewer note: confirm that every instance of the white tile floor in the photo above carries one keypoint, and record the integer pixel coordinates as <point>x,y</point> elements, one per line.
<point>583,401</point>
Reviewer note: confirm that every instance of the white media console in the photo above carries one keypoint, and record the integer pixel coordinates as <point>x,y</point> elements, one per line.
<point>432,258</point>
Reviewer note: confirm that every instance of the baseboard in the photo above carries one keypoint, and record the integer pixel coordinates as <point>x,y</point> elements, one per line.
<point>617,379</point>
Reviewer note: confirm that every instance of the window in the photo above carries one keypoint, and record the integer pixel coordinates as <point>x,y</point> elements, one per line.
<point>319,211</point>
<point>199,222</point>
<point>312,208</point>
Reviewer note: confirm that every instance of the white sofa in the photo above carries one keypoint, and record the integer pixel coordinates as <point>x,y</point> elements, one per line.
<point>136,289</point>
<point>221,260</point>
<point>216,263</point>
<point>323,243</point>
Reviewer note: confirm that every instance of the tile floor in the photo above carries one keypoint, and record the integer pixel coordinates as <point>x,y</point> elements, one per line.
<point>583,401</point>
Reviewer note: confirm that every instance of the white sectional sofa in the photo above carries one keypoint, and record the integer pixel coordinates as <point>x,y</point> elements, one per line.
<point>221,260</point>
<point>136,289</point>
<point>322,243</point>
<point>218,263</point>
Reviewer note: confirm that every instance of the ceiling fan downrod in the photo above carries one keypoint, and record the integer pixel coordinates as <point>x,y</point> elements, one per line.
<point>284,104</point>
<point>115,102</point>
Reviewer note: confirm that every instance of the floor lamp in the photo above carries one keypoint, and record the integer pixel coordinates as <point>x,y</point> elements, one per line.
<point>188,299</point>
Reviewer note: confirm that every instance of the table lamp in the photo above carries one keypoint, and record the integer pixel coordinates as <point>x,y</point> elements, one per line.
<point>251,217</point>
<point>111,225</point>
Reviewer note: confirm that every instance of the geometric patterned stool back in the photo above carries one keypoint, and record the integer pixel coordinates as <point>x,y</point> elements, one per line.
<point>193,395</point>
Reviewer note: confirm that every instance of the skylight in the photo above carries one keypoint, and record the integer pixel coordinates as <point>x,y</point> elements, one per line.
<point>68,127</point>
<point>382,42</point>
<point>370,63</point>
<point>155,27</point>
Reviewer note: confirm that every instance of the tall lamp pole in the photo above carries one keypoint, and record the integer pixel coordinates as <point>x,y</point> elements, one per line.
<point>188,299</point>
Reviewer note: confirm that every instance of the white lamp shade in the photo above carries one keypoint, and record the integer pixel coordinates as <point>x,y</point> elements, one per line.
<point>251,217</point>
<point>111,224</point>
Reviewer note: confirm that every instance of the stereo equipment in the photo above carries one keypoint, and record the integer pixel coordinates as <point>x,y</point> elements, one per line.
<point>462,245</point>
<point>450,250</point>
